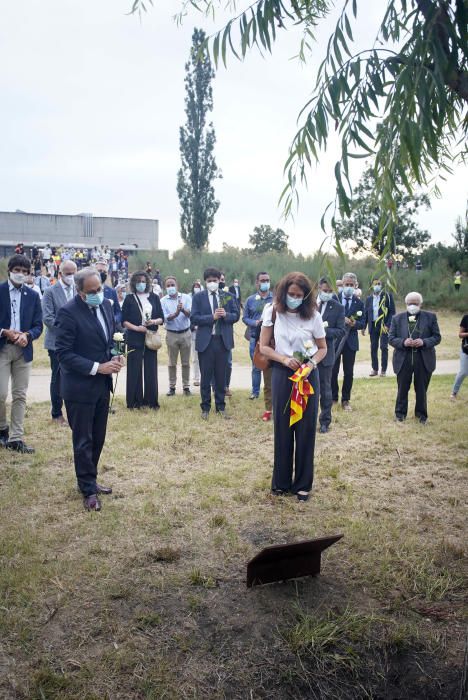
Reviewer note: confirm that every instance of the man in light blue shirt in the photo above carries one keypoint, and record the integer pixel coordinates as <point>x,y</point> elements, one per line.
<point>177,307</point>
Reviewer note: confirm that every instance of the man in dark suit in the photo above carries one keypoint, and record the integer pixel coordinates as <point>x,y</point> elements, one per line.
<point>54,298</point>
<point>20,324</point>
<point>414,335</point>
<point>109,292</point>
<point>236,292</point>
<point>85,329</point>
<point>213,312</point>
<point>333,317</point>
<point>380,309</point>
<point>355,320</point>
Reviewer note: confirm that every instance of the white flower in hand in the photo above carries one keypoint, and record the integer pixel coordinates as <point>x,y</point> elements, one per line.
<point>359,314</point>
<point>118,337</point>
<point>325,324</point>
<point>257,297</point>
<point>308,344</point>
<point>411,319</point>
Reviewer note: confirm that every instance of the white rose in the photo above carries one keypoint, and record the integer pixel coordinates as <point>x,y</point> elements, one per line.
<point>359,314</point>
<point>411,319</point>
<point>118,337</point>
<point>257,297</point>
<point>308,344</point>
<point>325,324</point>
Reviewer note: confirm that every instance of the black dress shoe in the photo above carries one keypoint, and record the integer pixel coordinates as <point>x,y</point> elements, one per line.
<point>92,502</point>
<point>423,420</point>
<point>4,435</point>
<point>187,392</point>
<point>19,446</point>
<point>105,490</point>
<point>324,428</point>
<point>400,419</point>
<point>223,414</point>
<point>171,391</point>
<point>205,415</point>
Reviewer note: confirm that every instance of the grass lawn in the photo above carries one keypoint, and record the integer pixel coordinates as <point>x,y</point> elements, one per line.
<point>147,599</point>
<point>449,348</point>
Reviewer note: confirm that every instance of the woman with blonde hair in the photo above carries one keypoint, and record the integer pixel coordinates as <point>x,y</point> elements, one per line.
<point>296,328</point>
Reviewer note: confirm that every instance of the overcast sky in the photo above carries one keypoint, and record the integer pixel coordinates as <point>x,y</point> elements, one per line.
<point>92,100</point>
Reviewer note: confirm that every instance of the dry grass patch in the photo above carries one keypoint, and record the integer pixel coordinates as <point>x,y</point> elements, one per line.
<point>147,599</point>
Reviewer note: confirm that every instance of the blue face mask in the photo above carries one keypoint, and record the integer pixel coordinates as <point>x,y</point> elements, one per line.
<point>348,292</point>
<point>293,303</point>
<point>172,291</point>
<point>141,287</point>
<point>377,288</point>
<point>264,286</point>
<point>95,299</point>
<point>326,296</point>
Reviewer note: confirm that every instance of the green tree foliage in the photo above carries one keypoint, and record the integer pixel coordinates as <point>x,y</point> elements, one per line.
<point>198,204</point>
<point>363,225</point>
<point>461,235</point>
<point>265,239</point>
<point>403,100</point>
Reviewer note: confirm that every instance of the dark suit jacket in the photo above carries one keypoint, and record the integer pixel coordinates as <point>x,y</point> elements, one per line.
<point>232,289</point>
<point>427,328</point>
<point>334,315</point>
<point>389,310</point>
<point>30,316</point>
<point>352,339</point>
<point>202,317</point>
<point>79,343</point>
<point>111,294</point>
<point>131,312</point>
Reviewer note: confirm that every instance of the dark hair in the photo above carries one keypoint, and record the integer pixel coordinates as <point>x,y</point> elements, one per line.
<point>324,280</point>
<point>211,272</point>
<point>20,260</point>
<point>308,306</point>
<point>135,277</point>
<point>195,284</point>
<point>261,273</point>
<point>170,277</point>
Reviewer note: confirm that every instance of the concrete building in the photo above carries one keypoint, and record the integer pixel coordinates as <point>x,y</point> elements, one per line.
<point>78,231</point>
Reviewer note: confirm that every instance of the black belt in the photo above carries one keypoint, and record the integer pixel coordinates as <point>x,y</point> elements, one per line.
<point>168,330</point>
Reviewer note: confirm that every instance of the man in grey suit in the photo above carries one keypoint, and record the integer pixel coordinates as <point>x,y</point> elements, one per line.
<point>333,317</point>
<point>414,335</point>
<point>53,299</point>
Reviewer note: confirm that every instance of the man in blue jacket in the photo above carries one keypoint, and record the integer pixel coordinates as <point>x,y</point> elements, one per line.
<point>84,341</point>
<point>213,312</point>
<point>355,320</point>
<point>332,313</point>
<point>380,309</point>
<point>20,324</point>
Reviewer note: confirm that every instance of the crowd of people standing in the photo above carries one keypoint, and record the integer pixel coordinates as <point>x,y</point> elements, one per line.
<point>297,332</point>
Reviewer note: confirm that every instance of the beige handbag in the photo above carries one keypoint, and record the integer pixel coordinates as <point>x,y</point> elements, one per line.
<point>152,339</point>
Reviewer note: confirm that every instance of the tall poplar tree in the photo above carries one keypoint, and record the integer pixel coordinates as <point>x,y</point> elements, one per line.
<point>198,204</point>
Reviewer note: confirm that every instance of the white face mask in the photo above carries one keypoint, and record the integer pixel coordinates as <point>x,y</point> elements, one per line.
<point>68,279</point>
<point>413,309</point>
<point>212,286</point>
<point>17,277</point>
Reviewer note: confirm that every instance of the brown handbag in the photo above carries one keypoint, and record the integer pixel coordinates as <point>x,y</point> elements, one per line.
<point>260,361</point>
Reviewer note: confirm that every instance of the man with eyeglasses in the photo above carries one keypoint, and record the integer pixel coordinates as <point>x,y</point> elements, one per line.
<point>20,324</point>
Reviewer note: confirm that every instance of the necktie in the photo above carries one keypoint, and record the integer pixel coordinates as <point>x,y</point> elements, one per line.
<point>348,304</point>
<point>215,301</point>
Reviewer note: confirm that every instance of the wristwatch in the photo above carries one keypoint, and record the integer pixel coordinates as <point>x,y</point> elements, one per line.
<point>312,362</point>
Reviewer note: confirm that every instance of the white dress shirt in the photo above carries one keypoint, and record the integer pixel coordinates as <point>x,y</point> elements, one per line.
<point>210,297</point>
<point>102,321</point>
<point>68,290</point>
<point>15,304</point>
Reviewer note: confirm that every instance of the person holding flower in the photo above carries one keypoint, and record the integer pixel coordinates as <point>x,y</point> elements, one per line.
<point>414,335</point>
<point>141,312</point>
<point>354,321</point>
<point>293,338</point>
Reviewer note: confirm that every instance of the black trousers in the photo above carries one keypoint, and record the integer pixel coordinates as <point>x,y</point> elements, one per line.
<point>55,398</point>
<point>88,422</point>
<point>349,357</point>
<point>295,444</point>
<point>412,370</point>
<point>326,400</point>
<point>142,378</point>
<point>213,364</point>
<point>377,338</point>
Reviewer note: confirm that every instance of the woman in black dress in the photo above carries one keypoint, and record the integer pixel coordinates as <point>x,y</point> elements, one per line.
<point>141,311</point>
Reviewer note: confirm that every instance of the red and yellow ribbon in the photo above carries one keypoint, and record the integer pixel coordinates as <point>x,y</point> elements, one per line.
<point>301,391</point>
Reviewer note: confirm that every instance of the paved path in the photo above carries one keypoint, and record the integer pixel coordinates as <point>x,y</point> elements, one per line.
<point>241,378</point>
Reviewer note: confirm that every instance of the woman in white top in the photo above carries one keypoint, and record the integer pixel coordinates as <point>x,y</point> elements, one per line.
<point>294,324</point>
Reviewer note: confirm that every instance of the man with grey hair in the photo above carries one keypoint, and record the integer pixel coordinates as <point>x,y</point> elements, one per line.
<point>413,335</point>
<point>349,345</point>
<point>84,341</point>
<point>54,298</point>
